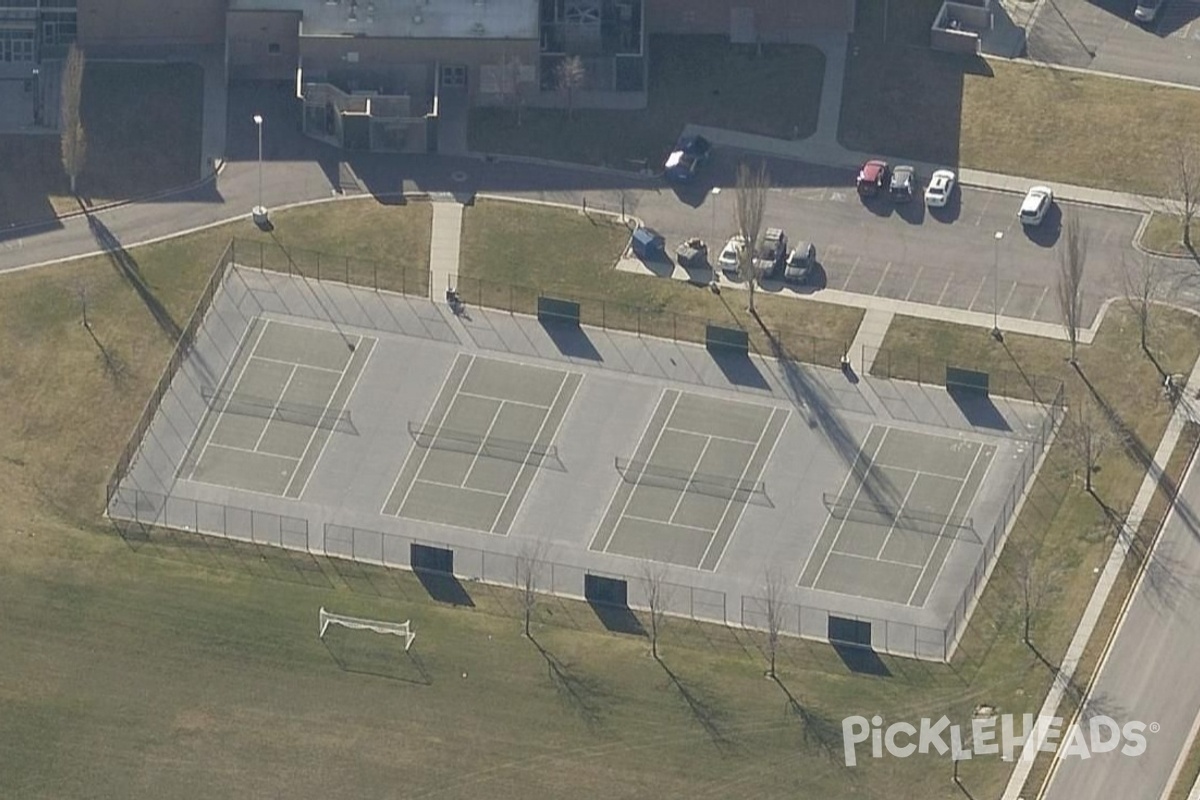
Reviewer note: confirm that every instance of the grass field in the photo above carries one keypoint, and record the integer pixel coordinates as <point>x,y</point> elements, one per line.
<point>565,253</point>
<point>1164,234</point>
<point>143,123</point>
<point>693,79</point>
<point>902,99</point>
<point>185,667</point>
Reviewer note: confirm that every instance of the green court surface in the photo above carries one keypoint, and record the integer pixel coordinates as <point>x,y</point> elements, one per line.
<point>899,513</point>
<point>281,397</point>
<point>489,430</point>
<point>697,465</point>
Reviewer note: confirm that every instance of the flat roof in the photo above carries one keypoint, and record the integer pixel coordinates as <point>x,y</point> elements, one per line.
<point>416,19</point>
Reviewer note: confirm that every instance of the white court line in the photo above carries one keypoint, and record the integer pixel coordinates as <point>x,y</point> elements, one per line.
<point>275,408</point>
<point>899,513</point>
<point>786,416</point>
<point>329,407</point>
<point>672,524</point>
<point>649,457</point>
<point>425,451</point>
<point>299,364</point>
<point>541,428</point>
<point>692,475</point>
<point>229,397</point>
<point>662,393</point>
<point>237,449</point>
<point>842,522</point>
<point>916,280</point>
<point>938,572</point>
<point>483,442</point>
<point>713,435</point>
<point>460,488</point>
<point>893,562</point>
<point>505,399</point>
<point>741,478</point>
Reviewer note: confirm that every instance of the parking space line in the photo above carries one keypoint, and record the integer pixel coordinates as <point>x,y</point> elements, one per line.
<point>1008,299</point>
<point>882,278</point>
<point>850,273</point>
<point>691,476</point>
<point>1037,307</point>
<point>461,488</point>
<point>673,524</point>
<point>275,407</point>
<point>982,281</point>
<point>916,280</point>
<point>949,279</point>
<point>504,400</point>
<point>709,435</point>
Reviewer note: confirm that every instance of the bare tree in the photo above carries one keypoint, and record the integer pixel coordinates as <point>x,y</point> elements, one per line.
<point>1143,286</point>
<point>654,575</point>
<point>530,558</point>
<point>1072,257</point>
<point>1184,187</point>
<point>750,202</point>
<point>569,76</point>
<point>1036,580</point>
<point>73,140</point>
<point>1088,433</point>
<point>773,598</point>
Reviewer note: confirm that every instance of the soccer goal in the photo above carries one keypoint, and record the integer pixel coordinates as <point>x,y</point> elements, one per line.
<point>403,629</point>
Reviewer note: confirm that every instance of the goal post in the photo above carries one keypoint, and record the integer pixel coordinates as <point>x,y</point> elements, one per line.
<point>401,629</point>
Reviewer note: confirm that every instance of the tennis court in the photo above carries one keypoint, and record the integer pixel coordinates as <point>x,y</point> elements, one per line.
<point>282,396</point>
<point>490,429</point>
<point>898,514</point>
<point>697,466</point>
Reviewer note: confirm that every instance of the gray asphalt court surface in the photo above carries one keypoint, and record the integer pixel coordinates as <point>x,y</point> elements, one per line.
<point>282,397</point>
<point>892,524</point>
<point>697,465</point>
<point>490,429</point>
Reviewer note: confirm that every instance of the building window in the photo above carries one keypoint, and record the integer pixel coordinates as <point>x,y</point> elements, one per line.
<point>274,49</point>
<point>689,17</point>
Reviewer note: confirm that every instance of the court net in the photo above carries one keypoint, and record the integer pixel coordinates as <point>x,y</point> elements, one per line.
<point>643,473</point>
<point>866,510</point>
<point>437,437</point>
<point>301,414</point>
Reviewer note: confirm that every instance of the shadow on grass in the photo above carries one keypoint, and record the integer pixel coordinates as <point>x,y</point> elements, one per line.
<point>862,660</point>
<point>381,657</point>
<point>702,708</point>
<point>585,695</point>
<point>444,588</point>
<point>114,367</point>
<point>617,618</point>
<point>127,267</point>
<point>820,730</point>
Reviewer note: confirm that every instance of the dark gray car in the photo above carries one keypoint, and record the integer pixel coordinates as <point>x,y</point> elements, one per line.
<point>800,262</point>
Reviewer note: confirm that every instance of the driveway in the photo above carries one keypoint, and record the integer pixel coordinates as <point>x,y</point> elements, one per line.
<point>1101,35</point>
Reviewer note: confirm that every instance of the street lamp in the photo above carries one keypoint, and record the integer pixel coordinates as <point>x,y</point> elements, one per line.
<point>260,211</point>
<point>996,334</point>
<point>37,96</point>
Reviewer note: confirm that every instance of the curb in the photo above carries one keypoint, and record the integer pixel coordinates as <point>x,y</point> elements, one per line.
<point>500,158</point>
<point>145,198</point>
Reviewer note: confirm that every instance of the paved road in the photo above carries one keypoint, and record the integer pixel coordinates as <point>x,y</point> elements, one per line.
<point>948,258</point>
<point>1102,35</point>
<point>1150,672</point>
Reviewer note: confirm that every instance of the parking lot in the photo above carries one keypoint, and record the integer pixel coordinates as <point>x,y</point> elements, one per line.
<point>1104,36</point>
<point>948,257</point>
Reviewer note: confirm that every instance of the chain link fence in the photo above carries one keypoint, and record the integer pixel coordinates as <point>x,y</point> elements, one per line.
<point>927,370</point>
<point>391,276</point>
<point>145,510</point>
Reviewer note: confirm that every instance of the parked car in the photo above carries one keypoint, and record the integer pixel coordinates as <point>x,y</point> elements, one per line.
<point>941,186</point>
<point>1035,205</point>
<point>730,253</point>
<point>1147,10</point>
<point>768,261</point>
<point>800,262</point>
<point>903,184</point>
<point>690,153</point>
<point>872,178</point>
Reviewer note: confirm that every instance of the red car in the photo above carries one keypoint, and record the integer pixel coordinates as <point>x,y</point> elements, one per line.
<point>873,178</point>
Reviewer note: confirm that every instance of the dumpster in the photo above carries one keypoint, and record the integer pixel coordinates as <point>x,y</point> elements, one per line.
<point>648,245</point>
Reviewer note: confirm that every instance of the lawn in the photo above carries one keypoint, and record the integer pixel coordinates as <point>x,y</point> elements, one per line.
<point>186,667</point>
<point>1067,528</point>
<point>904,100</point>
<point>1164,234</point>
<point>143,123</point>
<point>561,252</point>
<point>693,79</point>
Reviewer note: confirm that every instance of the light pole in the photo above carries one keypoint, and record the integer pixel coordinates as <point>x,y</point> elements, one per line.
<point>996,334</point>
<point>37,96</point>
<point>715,193</point>
<point>260,211</point>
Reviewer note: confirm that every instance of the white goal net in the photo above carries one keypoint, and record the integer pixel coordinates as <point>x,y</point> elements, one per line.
<point>402,629</point>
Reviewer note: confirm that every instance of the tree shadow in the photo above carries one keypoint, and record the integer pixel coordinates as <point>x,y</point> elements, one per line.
<point>583,694</point>
<point>127,267</point>
<point>702,708</point>
<point>114,367</point>
<point>819,730</point>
